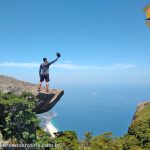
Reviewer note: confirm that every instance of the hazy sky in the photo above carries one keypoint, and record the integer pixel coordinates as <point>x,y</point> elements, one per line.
<point>101,41</point>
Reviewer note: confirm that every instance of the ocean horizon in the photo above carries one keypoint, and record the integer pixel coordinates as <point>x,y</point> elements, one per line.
<point>98,109</point>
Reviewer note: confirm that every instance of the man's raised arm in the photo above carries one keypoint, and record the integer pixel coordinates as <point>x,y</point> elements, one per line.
<point>53,61</point>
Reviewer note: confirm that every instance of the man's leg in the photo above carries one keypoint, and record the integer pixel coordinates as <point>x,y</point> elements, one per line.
<point>47,86</point>
<point>47,82</point>
<point>40,84</point>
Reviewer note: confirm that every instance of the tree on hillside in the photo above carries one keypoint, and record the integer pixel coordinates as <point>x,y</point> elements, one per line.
<point>88,137</point>
<point>17,121</point>
<point>68,141</point>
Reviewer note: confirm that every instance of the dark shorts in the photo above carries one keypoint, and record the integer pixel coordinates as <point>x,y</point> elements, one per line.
<point>44,77</point>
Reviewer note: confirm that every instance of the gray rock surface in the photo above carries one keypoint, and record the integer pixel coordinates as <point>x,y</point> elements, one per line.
<point>9,84</point>
<point>45,101</point>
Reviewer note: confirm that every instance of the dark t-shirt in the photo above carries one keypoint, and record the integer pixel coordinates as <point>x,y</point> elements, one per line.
<point>44,67</point>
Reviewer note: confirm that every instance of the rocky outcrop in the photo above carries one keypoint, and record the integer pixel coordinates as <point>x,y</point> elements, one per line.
<point>45,101</point>
<point>141,106</point>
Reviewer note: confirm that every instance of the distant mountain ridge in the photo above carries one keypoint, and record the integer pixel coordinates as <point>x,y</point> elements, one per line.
<point>10,84</point>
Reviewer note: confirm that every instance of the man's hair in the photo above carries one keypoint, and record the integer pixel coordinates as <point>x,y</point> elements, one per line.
<point>45,59</point>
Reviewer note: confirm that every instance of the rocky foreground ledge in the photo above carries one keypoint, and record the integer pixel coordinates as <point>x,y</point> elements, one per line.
<point>45,101</point>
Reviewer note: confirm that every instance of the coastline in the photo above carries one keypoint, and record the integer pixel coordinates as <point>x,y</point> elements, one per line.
<point>51,129</point>
<point>141,106</point>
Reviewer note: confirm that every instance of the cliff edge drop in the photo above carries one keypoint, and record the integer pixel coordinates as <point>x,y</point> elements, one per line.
<point>45,101</point>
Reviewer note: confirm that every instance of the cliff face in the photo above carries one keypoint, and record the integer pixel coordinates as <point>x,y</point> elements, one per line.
<point>45,101</point>
<point>142,112</point>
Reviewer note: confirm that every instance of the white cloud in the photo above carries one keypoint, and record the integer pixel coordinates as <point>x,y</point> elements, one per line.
<point>20,65</point>
<point>68,61</point>
<point>67,66</point>
<point>94,67</point>
<point>95,94</point>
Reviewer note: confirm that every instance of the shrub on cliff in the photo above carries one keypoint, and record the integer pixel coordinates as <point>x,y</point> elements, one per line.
<point>140,131</point>
<point>16,117</point>
<point>68,141</point>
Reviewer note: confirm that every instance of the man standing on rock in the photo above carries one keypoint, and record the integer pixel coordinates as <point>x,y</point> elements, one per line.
<point>44,72</point>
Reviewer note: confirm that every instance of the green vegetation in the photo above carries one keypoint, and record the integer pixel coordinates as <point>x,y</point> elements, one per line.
<point>17,121</point>
<point>143,114</point>
<point>19,125</point>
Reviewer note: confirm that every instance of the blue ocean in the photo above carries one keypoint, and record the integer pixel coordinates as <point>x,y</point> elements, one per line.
<point>98,109</point>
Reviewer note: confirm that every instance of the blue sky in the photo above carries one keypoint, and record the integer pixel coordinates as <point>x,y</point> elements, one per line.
<point>101,41</point>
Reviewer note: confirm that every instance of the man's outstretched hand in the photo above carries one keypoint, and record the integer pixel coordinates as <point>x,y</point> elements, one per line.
<point>58,54</point>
